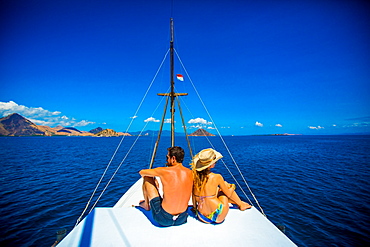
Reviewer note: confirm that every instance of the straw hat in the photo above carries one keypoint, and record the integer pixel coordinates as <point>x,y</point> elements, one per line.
<point>205,159</point>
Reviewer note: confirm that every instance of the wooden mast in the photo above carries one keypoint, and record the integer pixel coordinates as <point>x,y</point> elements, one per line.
<point>173,96</point>
<point>172,86</point>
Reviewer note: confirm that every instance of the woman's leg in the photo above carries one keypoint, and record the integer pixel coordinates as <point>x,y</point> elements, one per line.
<point>235,199</point>
<point>225,202</point>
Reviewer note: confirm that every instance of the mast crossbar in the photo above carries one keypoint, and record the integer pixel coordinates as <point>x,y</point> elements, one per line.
<point>170,94</point>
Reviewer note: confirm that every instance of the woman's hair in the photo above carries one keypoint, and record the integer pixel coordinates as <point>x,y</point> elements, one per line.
<point>200,178</point>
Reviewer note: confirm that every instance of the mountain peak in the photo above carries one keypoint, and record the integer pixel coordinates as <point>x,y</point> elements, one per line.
<point>17,125</point>
<point>201,132</point>
<point>96,130</point>
<point>14,116</point>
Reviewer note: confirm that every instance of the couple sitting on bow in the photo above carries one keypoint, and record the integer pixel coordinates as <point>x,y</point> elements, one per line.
<point>211,193</point>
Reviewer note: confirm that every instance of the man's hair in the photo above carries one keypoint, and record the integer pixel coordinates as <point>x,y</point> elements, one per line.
<point>176,152</point>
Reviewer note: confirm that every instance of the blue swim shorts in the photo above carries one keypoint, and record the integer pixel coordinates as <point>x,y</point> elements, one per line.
<point>162,217</point>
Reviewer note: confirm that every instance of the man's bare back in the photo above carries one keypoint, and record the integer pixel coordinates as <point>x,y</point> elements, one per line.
<point>177,182</point>
<point>177,187</point>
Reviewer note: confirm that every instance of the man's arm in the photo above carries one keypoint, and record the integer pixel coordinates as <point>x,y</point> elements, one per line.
<point>150,172</point>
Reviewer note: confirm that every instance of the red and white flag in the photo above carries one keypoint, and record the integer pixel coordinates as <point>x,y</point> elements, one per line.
<point>180,77</point>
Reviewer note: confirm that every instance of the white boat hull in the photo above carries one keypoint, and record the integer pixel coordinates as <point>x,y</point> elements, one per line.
<point>125,225</point>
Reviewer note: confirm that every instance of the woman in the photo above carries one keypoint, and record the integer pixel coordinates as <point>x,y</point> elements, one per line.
<point>211,193</point>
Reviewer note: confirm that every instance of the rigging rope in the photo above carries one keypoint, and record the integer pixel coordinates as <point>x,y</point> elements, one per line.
<point>232,175</point>
<point>222,139</point>
<point>115,172</point>
<point>123,160</point>
<point>120,143</point>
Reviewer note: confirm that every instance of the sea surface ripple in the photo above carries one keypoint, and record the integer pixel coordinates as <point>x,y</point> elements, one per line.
<point>316,186</point>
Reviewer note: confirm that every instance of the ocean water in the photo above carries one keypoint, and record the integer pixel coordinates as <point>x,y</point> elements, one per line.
<point>316,186</point>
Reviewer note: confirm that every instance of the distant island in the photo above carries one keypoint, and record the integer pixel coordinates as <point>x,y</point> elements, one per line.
<point>285,134</point>
<point>17,125</point>
<point>201,132</point>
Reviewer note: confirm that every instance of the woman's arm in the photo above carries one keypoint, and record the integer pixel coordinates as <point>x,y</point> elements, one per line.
<point>195,205</point>
<point>227,188</point>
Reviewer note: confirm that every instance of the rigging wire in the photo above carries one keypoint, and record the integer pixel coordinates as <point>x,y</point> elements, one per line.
<point>155,142</point>
<point>123,137</point>
<point>124,159</point>
<point>232,175</point>
<point>115,172</point>
<point>186,106</point>
<point>211,144</point>
<point>222,139</point>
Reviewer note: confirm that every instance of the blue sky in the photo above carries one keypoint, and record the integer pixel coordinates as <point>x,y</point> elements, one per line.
<point>260,67</point>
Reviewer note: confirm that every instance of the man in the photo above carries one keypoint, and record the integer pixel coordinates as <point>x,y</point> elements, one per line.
<point>177,182</point>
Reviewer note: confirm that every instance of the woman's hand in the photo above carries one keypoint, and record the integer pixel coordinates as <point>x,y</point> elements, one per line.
<point>230,186</point>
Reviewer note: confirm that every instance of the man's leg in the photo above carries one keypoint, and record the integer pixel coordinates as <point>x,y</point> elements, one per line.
<point>150,191</point>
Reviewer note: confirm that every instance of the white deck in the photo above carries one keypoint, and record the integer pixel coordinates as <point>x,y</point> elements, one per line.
<point>124,225</point>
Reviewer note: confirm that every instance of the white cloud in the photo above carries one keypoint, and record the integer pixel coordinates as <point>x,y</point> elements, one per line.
<point>278,125</point>
<point>60,121</point>
<point>168,120</point>
<point>41,122</point>
<point>258,124</point>
<point>199,121</point>
<point>7,108</point>
<point>40,116</point>
<point>83,123</point>
<point>315,128</point>
<point>151,119</point>
<point>211,128</point>
<point>134,117</point>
